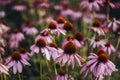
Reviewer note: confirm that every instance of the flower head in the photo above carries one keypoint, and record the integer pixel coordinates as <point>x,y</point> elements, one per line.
<point>16,61</point>
<point>69,55</point>
<point>99,65</point>
<point>63,76</point>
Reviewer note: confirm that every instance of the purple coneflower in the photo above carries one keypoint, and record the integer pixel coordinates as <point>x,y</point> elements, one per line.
<point>108,47</point>
<point>3,69</point>
<point>63,76</point>
<point>16,36</point>
<point>97,27</point>
<point>99,65</point>
<point>29,28</point>
<point>68,26</point>
<point>70,55</point>
<point>91,4</point>
<point>113,24</point>
<point>3,27</point>
<point>60,21</point>
<point>44,34</point>
<point>96,42</point>
<point>16,61</point>
<point>4,2</point>
<point>54,29</point>
<point>54,50</point>
<point>19,7</point>
<point>40,46</point>
<point>2,14</point>
<point>26,55</point>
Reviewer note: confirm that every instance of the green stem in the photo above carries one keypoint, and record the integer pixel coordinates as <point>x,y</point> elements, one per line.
<point>4,75</point>
<point>48,66</point>
<point>40,69</point>
<point>117,46</point>
<point>55,68</point>
<point>19,76</point>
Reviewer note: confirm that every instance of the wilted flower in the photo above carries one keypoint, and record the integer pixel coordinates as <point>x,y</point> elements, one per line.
<point>16,61</point>
<point>99,65</point>
<point>70,55</point>
<point>63,76</point>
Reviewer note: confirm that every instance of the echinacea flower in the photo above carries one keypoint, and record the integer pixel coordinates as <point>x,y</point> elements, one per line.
<point>113,24</point>
<point>44,34</point>
<point>96,42</point>
<point>99,65</point>
<point>16,36</point>
<point>68,26</point>
<point>108,47</point>
<point>80,38</point>
<point>3,27</point>
<point>26,55</point>
<point>16,61</point>
<point>63,76</point>
<point>2,14</point>
<point>70,55</point>
<point>3,69</point>
<point>54,29</point>
<point>54,50</point>
<point>4,2</point>
<point>40,46</point>
<point>13,44</point>
<point>97,27</point>
<point>19,7</point>
<point>91,4</point>
<point>60,21</point>
<point>29,28</point>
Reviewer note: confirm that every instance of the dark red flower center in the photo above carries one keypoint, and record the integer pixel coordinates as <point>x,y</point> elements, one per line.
<point>107,44</point>
<point>102,56</point>
<point>79,36</point>
<point>70,48</point>
<point>96,23</point>
<point>16,55</point>
<point>97,39</point>
<point>62,72</point>
<point>52,25</point>
<point>68,26</point>
<point>53,44</point>
<point>91,0</point>
<point>15,31</point>
<point>60,20</point>
<point>41,42</point>
<point>70,37</point>
<point>22,50</point>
